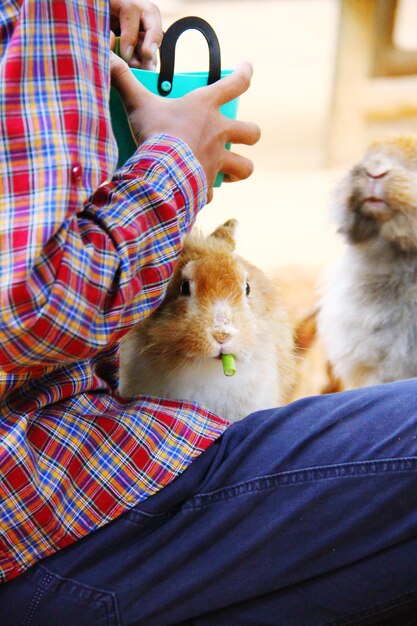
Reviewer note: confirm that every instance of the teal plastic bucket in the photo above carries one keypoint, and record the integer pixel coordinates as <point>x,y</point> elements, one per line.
<point>182,84</point>
<point>168,84</point>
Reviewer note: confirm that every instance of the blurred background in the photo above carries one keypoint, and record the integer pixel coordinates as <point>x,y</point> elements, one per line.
<point>316,103</point>
<point>329,77</point>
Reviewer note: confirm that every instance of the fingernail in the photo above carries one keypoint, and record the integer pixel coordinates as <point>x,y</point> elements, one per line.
<point>149,65</point>
<point>129,53</point>
<point>154,49</point>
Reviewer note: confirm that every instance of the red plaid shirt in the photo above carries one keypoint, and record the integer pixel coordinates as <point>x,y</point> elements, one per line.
<point>80,263</point>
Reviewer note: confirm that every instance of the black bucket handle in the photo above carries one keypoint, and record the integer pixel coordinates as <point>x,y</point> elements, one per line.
<point>167,51</point>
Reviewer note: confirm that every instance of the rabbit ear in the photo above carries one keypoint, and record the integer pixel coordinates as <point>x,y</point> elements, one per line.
<point>227,232</point>
<point>306,331</point>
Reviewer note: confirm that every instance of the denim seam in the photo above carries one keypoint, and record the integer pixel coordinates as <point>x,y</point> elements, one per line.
<point>37,597</point>
<point>106,594</point>
<point>374,611</point>
<point>312,474</point>
<point>136,517</point>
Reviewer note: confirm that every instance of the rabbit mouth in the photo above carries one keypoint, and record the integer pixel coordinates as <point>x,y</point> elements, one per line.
<point>377,208</point>
<point>221,353</point>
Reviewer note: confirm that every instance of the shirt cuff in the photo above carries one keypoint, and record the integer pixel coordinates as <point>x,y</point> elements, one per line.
<point>179,162</point>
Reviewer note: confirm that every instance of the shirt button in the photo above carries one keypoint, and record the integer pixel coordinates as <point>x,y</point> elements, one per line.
<point>76,173</point>
<point>101,195</point>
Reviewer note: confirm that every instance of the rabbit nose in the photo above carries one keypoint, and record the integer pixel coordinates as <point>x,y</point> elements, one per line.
<point>221,337</point>
<point>377,168</point>
<point>376,172</point>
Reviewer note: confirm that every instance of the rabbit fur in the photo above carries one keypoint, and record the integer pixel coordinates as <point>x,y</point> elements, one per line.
<point>367,315</point>
<point>216,303</point>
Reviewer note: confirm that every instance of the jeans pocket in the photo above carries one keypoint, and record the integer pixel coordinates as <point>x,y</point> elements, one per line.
<point>57,601</point>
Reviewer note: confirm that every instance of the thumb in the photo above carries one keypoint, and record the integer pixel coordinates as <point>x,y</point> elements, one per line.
<point>233,85</point>
<point>128,87</point>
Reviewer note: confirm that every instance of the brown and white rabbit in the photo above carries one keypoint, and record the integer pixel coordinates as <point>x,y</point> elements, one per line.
<point>216,303</point>
<point>368,311</point>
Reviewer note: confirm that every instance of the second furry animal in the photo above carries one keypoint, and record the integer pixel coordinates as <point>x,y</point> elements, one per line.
<point>217,303</point>
<point>368,313</point>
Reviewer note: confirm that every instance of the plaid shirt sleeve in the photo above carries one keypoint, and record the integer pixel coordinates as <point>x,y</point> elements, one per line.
<point>75,270</point>
<point>84,254</point>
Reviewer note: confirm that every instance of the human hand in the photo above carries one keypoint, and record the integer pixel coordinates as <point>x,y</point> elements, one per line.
<point>140,25</point>
<point>195,118</point>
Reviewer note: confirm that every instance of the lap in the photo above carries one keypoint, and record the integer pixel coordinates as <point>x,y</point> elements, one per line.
<point>300,515</point>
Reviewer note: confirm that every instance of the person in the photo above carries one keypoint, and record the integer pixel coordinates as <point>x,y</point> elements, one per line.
<point>151,511</point>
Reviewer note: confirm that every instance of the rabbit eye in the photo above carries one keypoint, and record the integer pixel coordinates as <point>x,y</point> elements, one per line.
<point>247,289</point>
<point>185,288</point>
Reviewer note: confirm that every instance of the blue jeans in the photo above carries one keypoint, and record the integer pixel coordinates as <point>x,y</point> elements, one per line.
<point>298,516</point>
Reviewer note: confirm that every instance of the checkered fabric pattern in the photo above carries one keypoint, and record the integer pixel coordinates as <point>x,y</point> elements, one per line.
<point>85,253</point>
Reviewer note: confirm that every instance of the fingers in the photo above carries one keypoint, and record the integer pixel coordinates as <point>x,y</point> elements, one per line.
<point>112,40</point>
<point>129,20</point>
<point>152,25</point>
<point>247,133</point>
<point>236,167</point>
<point>131,90</point>
<point>118,68</point>
<point>233,85</point>
<point>140,58</point>
<point>140,31</point>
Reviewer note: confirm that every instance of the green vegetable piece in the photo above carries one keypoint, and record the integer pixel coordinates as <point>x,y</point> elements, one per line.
<point>229,366</point>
